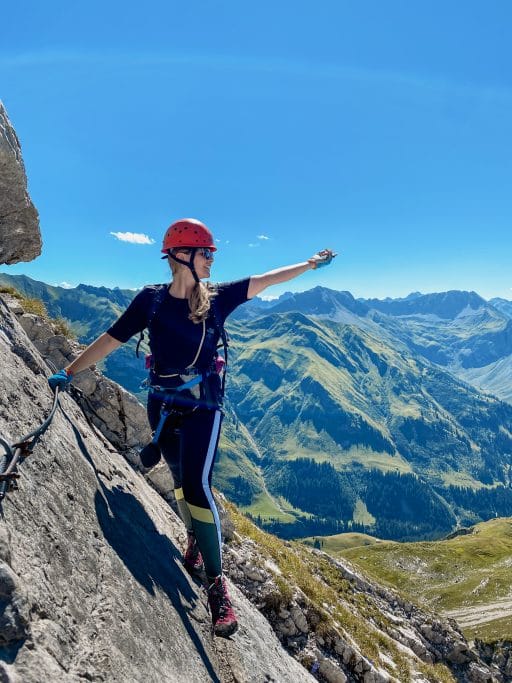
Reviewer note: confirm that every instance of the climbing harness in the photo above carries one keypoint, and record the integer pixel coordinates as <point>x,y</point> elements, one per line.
<point>219,364</point>
<point>16,452</point>
<point>150,454</point>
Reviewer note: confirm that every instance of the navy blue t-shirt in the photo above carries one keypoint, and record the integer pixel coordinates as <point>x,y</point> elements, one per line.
<point>174,338</point>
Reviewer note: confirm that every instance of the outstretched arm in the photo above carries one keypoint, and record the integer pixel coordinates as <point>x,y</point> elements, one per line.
<point>258,283</point>
<point>100,348</point>
<point>95,352</point>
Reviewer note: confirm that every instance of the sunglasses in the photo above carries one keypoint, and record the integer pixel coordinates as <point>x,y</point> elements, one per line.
<point>206,252</point>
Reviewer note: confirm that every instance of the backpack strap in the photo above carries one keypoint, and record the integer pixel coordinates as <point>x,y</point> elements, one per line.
<point>156,302</point>
<point>224,337</point>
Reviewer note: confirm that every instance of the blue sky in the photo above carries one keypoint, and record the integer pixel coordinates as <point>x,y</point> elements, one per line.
<point>382,130</point>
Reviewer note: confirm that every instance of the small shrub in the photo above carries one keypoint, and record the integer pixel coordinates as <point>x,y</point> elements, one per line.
<point>61,326</point>
<point>307,661</point>
<point>274,601</point>
<point>284,588</point>
<point>35,306</point>
<point>281,597</point>
<point>6,289</point>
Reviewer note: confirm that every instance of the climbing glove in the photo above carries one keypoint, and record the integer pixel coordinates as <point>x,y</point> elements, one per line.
<point>323,258</point>
<point>60,379</point>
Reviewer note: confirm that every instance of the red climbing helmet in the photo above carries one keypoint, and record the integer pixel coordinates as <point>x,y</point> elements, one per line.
<point>187,232</point>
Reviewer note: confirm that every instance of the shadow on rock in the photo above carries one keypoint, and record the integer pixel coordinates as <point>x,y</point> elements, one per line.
<point>149,555</point>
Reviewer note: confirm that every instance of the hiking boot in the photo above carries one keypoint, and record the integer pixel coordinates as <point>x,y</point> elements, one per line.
<point>192,559</point>
<point>223,618</point>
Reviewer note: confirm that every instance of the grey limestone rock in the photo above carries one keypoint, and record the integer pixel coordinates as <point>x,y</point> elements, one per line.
<point>13,607</point>
<point>331,672</point>
<point>91,582</point>
<point>113,410</point>
<point>20,238</point>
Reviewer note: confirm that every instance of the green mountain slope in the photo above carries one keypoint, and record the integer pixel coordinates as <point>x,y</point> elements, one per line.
<point>460,331</point>
<point>88,310</point>
<point>496,378</point>
<point>341,417</point>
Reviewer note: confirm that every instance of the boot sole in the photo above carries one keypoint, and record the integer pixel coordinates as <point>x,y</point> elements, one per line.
<point>224,631</point>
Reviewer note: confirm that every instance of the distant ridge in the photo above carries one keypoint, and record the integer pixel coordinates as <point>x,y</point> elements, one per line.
<point>446,305</point>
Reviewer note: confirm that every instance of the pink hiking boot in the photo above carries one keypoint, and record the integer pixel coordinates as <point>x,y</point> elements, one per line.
<point>192,559</point>
<point>223,618</point>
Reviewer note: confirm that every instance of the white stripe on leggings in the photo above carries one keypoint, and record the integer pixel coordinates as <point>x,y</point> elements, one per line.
<point>206,470</point>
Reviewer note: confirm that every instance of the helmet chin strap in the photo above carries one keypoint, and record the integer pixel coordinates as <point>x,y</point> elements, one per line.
<point>189,264</point>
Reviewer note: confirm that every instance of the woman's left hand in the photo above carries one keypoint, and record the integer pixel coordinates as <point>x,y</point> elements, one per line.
<point>322,258</point>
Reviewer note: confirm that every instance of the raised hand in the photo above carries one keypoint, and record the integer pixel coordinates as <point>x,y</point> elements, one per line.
<point>322,258</point>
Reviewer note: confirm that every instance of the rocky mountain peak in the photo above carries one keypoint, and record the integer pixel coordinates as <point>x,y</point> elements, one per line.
<point>20,238</point>
<point>320,301</point>
<point>445,305</point>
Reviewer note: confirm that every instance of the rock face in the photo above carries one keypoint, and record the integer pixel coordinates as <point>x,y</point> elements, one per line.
<point>113,410</point>
<point>91,584</point>
<point>20,238</point>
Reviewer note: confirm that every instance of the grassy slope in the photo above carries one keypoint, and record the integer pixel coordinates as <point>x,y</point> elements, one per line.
<point>339,608</point>
<point>294,375</point>
<point>335,545</point>
<point>462,575</point>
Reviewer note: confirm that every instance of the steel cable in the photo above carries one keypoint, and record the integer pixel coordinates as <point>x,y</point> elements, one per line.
<point>21,448</point>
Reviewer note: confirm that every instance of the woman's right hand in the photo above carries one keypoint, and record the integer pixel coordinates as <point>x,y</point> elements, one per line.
<point>322,258</point>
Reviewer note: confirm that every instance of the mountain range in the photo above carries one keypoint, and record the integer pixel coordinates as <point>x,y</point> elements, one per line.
<point>385,416</point>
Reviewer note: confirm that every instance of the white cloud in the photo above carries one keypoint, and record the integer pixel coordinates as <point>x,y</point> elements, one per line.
<point>269,297</point>
<point>263,237</point>
<point>133,237</point>
<point>65,285</point>
<point>251,244</point>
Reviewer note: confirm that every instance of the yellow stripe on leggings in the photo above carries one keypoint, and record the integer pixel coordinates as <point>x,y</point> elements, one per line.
<point>178,494</point>
<point>201,514</point>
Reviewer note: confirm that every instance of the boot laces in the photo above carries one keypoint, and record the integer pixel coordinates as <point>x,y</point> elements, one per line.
<point>219,598</point>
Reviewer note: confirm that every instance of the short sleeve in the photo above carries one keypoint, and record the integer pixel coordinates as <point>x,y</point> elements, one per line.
<point>230,295</point>
<point>135,318</point>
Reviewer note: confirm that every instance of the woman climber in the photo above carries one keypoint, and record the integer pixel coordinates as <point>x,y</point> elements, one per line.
<point>185,320</point>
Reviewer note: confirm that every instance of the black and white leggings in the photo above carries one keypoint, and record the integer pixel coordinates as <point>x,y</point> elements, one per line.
<point>188,443</point>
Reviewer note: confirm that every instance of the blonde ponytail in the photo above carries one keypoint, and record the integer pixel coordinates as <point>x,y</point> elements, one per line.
<point>200,299</point>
